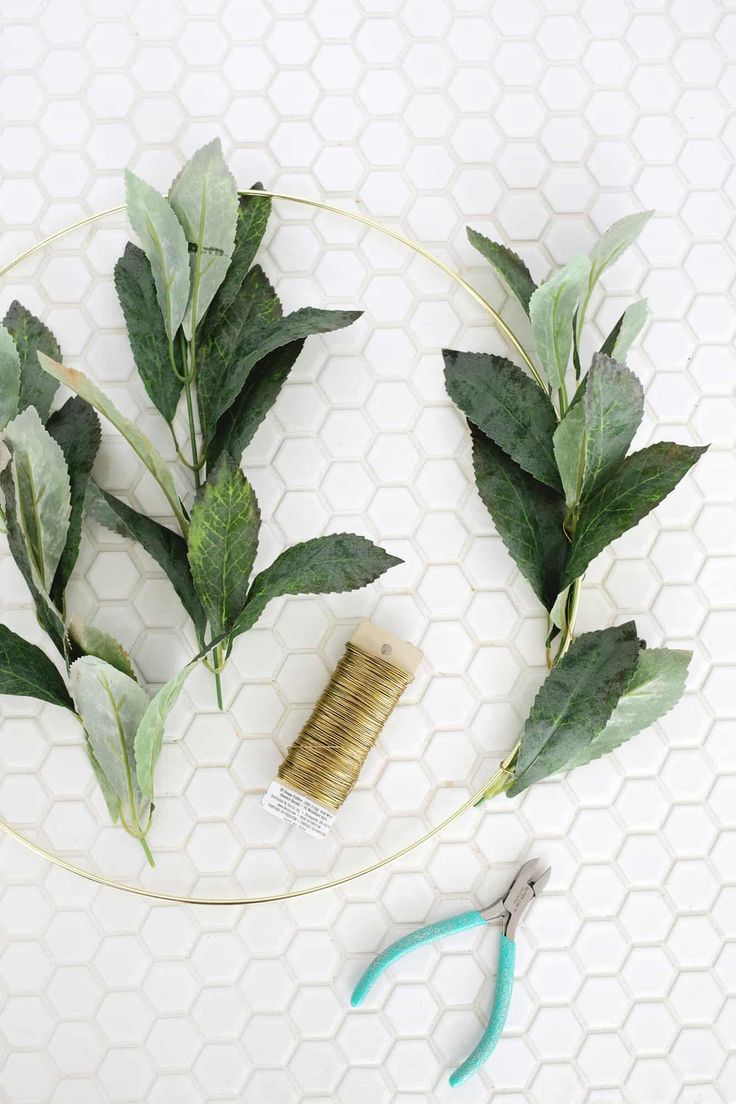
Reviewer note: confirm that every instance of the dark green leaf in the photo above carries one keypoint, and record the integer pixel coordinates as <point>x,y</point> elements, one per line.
<point>528,516</point>
<point>237,426</point>
<point>508,407</point>
<point>94,642</point>
<point>76,429</point>
<point>26,671</point>
<point>626,330</point>
<point>48,617</point>
<point>655,687</point>
<point>167,548</point>
<point>324,565</point>
<point>249,329</point>
<point>508,264</point>
<point>136,290</point>
<point>30,335</point>
<point>253,214</point>
<point>569,443</point>
<point>635,487</point>
<point>575,702</point>
<point>223,541</point>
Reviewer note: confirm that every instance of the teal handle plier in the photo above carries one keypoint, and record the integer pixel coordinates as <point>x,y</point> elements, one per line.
<point>509,908</point>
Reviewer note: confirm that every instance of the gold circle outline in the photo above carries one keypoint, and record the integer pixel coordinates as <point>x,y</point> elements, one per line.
<point>159,895</point>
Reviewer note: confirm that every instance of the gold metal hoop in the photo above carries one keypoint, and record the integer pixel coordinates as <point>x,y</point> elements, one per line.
<point>500,774</point>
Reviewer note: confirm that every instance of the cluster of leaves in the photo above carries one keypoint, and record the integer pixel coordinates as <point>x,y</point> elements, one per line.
<point>557,477</point>
<point>205,323</point>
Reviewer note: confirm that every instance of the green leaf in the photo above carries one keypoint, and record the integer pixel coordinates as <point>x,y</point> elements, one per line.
<point>146,331</point>
<point>325,565</point>
<point>111,798</point>
<point>594,436</point>
<point>655,687</point>
<point>250,328</point>
<point>84,387</point>
<point>76,430</point>
<point>575,702</point>
<point>614,406</point>
<point>42,494</point>
<point>9,378</point>
<point>94,642</point>
<point>253,215</point>
<point>26,671</point>
<point>237,426</point>
<point>150,734</point>
<point>111,706</point>
<point>616,240</point>
<point>639,484</point>
<point>551,310</point>
<point>508,264</point>
<point>167,548</point>
<point>527,514</point>
<point>165,245</point>
<point>47,614</point>
<point>205,200</point>
<point>508,407</point>
<point>223,541</point>
<point>569,446</point>
<point>626,330</point>
<point>31,337</point>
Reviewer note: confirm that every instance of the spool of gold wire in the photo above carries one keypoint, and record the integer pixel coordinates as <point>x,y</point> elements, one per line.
<point>326,759</point>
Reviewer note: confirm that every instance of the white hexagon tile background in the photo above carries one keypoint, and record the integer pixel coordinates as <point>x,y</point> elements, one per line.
<point>539,122</point>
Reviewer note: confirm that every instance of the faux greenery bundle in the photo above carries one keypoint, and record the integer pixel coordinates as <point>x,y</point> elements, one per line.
<point>203,321</point>
<point>552,466</point>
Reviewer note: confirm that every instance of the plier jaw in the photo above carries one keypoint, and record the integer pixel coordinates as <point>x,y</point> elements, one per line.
<point>510,907</point>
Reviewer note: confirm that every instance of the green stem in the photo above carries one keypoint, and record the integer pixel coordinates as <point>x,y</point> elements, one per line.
<point>147,851</point>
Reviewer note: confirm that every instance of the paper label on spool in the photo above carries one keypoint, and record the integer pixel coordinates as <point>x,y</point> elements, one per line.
<point>298,809</point>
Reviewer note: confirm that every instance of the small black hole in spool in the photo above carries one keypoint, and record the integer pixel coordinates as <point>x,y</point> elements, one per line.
<point>386,649</point>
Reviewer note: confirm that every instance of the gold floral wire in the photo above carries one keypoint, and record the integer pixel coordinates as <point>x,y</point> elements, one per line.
<point>499,777</point>
<point>325,760</point>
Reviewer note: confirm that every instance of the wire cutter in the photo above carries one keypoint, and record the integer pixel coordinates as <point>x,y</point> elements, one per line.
<point>509,908</point>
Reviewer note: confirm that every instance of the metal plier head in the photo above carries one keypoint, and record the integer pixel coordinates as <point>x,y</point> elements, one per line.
<point>511,906</point>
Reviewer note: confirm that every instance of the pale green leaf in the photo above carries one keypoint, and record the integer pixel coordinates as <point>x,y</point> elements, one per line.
<point>150,734</point>
<point>111,706</point>
<point>9,378</point>
<point>111,798</point>
<point>223,541</point>
<point>575,702</point>
<point>42,494</point>
<point>508,264</point>
<point>94,642</point>
<point>165,245</point>
<point>655,688</point>
<point>569,447</point>
<point>552,310</point>
<point>84,387</point>
<point>205,200</point>
<point>626,330</point>
<point>616,240</point>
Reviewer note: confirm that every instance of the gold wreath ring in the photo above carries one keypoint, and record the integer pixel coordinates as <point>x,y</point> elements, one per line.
<point>500,773</point>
